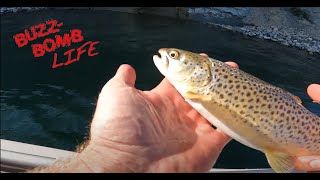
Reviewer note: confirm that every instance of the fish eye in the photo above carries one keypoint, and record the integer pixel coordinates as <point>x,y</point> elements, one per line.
<point>174,54</point>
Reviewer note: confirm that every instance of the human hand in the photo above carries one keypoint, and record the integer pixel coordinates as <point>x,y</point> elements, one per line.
<point>313,91</point>
<point>149,131</point>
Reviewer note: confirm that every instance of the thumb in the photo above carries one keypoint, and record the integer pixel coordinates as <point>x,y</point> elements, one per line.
<point>127,74</point>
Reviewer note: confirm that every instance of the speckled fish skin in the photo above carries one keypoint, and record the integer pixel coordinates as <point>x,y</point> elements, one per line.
<point>251,111</point>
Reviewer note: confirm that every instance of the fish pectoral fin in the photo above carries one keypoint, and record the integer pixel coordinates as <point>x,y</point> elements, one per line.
<point>192,96</point>
<point>280,162</point>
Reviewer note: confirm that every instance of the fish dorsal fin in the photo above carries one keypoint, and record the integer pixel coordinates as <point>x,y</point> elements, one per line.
<point>280,162</point>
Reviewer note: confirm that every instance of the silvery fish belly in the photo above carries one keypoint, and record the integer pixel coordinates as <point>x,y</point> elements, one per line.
<point>249,110</point>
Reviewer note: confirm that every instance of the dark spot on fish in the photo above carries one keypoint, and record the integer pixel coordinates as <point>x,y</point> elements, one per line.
<point>225,86</point>
<point>248,94</point>
<point>219,85</point>
<point>225,76</point>
<point>281,131</point>
<point>244,87</point>
<point>221,96</point>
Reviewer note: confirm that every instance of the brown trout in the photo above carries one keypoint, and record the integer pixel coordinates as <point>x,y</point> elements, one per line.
<point>251,111</point>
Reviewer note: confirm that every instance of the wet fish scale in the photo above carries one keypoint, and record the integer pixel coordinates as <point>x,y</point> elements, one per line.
<point>251,111</point>
<point>275,112</point>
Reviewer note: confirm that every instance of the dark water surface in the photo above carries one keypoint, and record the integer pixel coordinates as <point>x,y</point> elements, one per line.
<point>53,107</point>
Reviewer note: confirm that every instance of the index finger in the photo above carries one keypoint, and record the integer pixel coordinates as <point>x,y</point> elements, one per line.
<point>308,163</point>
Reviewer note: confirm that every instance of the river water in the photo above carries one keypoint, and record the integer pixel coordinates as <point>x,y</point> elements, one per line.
<point>53,107</point>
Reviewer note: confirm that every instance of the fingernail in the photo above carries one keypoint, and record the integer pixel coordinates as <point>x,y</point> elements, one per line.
<point>315,164</point>
<point>307,159</point>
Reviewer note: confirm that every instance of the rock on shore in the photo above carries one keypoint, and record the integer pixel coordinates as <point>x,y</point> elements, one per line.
<point>296,27</point>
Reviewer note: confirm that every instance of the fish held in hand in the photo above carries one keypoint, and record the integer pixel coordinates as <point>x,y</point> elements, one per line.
<point>251,111</point>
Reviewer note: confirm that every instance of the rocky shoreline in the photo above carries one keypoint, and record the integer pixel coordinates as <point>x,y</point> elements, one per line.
<point>284,36</point>
<point>8,10</point>
<point>299,40</point>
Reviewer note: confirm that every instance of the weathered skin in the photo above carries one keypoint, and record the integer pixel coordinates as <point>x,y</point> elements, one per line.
<point>251,111</point>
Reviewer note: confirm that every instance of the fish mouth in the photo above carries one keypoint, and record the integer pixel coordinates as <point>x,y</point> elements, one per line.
<point>161,59</point>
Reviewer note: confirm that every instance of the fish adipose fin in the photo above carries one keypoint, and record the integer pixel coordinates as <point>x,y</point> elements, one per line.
<point>192,96</point>
<point>280,162</point>
<point>297,99</point>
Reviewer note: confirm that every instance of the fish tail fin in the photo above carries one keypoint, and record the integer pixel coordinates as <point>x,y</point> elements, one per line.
<point>280,162</point>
